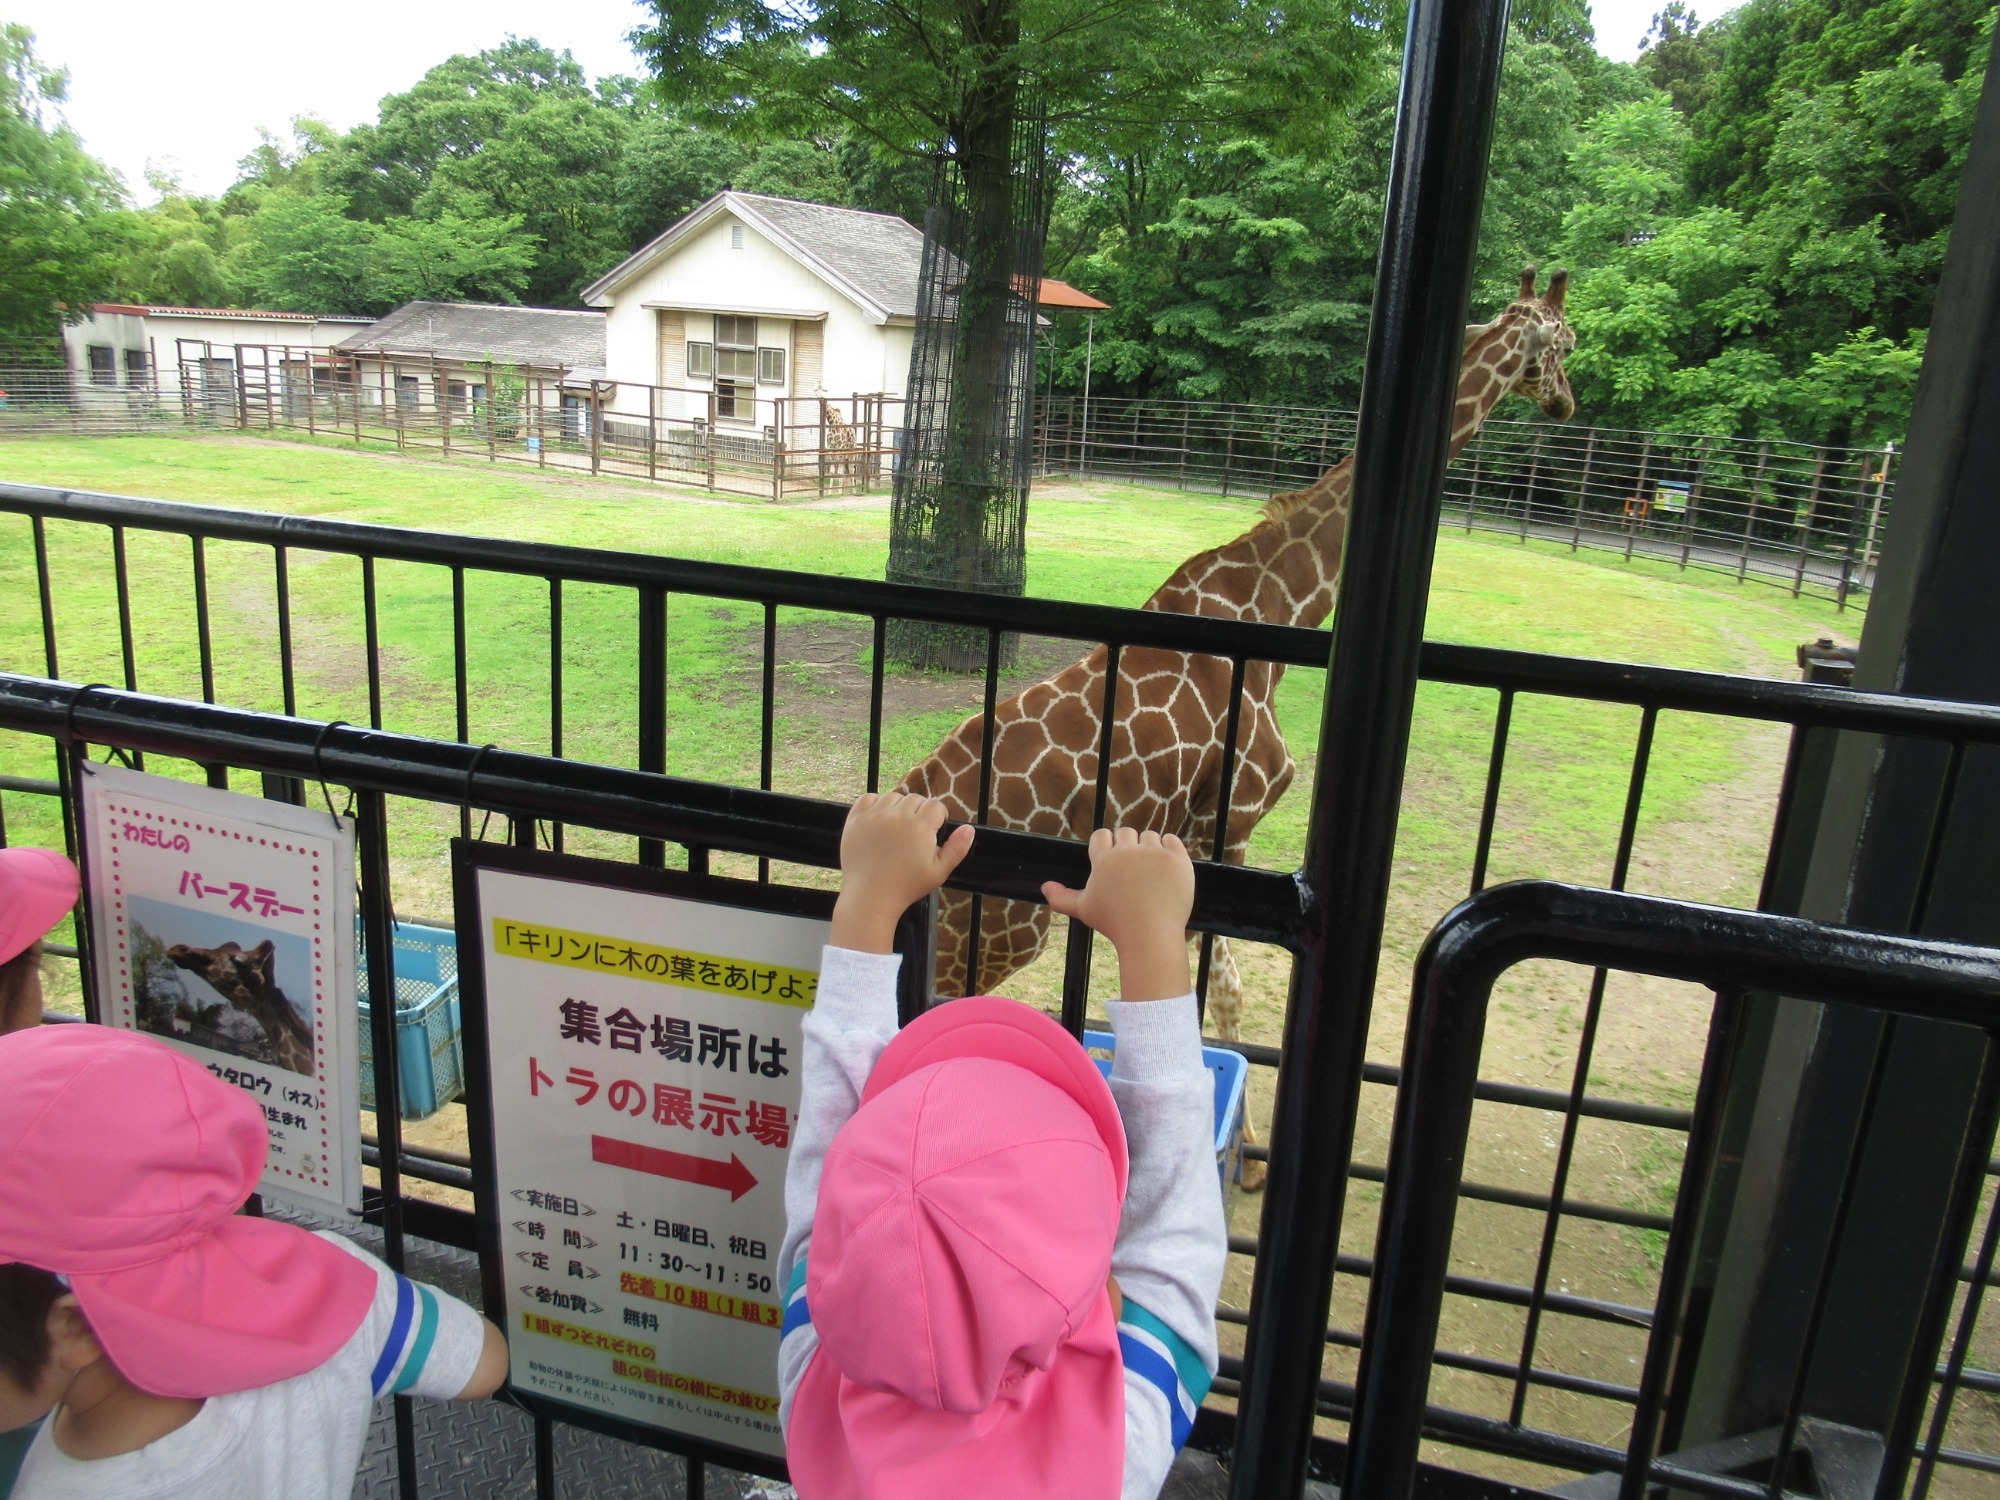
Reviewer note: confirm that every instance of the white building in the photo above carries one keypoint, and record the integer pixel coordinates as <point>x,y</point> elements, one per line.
<point>753,302</point>
<point>129,346</point>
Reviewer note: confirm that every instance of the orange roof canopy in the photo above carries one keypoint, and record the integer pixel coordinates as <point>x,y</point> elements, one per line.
<point>1062,294</point>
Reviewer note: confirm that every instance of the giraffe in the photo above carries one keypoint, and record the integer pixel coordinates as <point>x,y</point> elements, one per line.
<point>242,976</point>
<point>1171,711</point>
<point>838,444</point>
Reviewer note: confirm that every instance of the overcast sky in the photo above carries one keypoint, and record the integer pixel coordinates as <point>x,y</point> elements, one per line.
<point>184,85</point>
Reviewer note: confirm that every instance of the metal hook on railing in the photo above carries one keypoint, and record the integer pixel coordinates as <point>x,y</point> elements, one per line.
<point>319,772</point>
<point>472,770</point>
<point>75,739</point>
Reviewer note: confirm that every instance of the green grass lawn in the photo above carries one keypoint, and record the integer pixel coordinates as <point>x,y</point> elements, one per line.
<point>1567,763</point>
<point>1113,545</point>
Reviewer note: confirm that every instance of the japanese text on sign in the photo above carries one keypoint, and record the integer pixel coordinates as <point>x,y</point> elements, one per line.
<point>633,960</point>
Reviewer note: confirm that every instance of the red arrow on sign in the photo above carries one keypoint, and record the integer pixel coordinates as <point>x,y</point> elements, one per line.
<point>701,1170</point>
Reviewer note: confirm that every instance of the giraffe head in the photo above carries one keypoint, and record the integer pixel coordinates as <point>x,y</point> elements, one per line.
<point>1533,329</point>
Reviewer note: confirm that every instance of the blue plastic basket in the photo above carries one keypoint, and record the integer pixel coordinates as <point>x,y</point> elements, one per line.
<point>1229,1072</point>
<point>430,1059</point>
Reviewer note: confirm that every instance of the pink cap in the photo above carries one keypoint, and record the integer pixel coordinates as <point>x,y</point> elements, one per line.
<point>122,1166</point>
<point>956,1277</point>
<point>38,887</point>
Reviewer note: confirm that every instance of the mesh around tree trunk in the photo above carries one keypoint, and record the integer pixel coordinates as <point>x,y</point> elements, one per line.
<point>959,515</point>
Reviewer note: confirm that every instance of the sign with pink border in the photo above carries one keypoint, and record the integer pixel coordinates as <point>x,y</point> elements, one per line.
<point>224,925</point>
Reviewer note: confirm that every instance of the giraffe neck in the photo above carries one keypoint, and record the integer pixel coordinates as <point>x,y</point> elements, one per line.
<point>286,1033</point>
<point>1285,569</point>
<point>1494,363</point>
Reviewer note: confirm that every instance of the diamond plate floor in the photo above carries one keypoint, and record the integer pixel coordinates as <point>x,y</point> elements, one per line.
<point>485,1450</point>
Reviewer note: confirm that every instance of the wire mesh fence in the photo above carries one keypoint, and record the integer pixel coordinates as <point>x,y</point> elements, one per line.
<point>1804,516</point>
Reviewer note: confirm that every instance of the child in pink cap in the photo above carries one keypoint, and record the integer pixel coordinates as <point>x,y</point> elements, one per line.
<point>187,1352</point>
<point>38,887</point>
<point>1000,1273</point>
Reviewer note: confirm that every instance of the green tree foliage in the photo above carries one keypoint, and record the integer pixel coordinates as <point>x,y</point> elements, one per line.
<point>668,167</point>
<point>1680,58</point>
<point>1772,51</point>
<point>1798,307</point>
<point>305,251</point>
<point>181,252</point>
<point>1795,306</point>
<point>515,132</point>
<point>58,228</point>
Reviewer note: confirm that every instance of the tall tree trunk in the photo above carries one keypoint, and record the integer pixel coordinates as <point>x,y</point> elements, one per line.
<point>977,468</point>
<point>961,493</point>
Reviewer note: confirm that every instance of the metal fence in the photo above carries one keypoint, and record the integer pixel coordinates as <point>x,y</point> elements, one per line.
<point>1800,515</point>
<point>1904,979</point>
<point>1804,517</point>
<point>734,441</point>
<point>1495,1420</point>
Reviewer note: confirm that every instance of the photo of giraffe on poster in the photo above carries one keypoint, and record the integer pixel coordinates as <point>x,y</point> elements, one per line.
<point>219,983</point>
<point>223,924</point>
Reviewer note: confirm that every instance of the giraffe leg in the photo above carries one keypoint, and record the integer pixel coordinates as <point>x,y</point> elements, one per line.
<point>1225,1013</point>
<point>1011,935</point>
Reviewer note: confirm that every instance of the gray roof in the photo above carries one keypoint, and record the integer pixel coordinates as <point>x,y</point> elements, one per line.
<point>879,255</point>
<point>480,330</point>
<point>874,258</point>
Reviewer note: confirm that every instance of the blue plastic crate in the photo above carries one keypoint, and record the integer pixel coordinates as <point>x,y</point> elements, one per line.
<point>430,1058</point>
<point>1229,1072</point>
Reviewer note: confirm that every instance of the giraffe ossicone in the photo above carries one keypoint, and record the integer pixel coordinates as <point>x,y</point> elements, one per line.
<point>1172,708</point>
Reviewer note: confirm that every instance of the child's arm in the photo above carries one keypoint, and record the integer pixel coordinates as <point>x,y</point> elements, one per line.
<point>1173,1242</point>
<point>421,1341</point>
<point>889,858</point>
<point>491,1369</point>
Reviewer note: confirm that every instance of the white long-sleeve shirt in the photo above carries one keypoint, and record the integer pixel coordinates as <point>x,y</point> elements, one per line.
<point>1172,1239</point>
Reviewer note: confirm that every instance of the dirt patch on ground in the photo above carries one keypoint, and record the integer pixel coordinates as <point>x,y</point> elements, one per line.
<point>825,676</point>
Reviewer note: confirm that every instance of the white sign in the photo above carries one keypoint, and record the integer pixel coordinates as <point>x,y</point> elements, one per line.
<point>642,1055</point>
<point>224,924</point>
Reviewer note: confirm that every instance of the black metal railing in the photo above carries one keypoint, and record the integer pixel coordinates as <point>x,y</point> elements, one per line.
<point>1731,952</point>
<point>124,538</point>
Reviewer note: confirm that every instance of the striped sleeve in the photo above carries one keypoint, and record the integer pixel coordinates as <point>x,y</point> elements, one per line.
<point>424,1351</point>
<point>798,1342</point>
<point>797,1314</point>
<point>1158,1362</point>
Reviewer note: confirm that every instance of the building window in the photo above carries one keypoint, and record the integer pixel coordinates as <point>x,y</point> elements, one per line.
<point>736,236</point>
<point>409,391</point>
<point>701,361</point>
<point>136,366</point>
<point>736,367</point>
<point>770,367</point>
<point>103,364</point>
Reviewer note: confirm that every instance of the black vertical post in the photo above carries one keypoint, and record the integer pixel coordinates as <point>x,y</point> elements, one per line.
<point>377,936</point>
<point>1902,841</point>
<point>1437,180</point>
<point>652,700</point>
